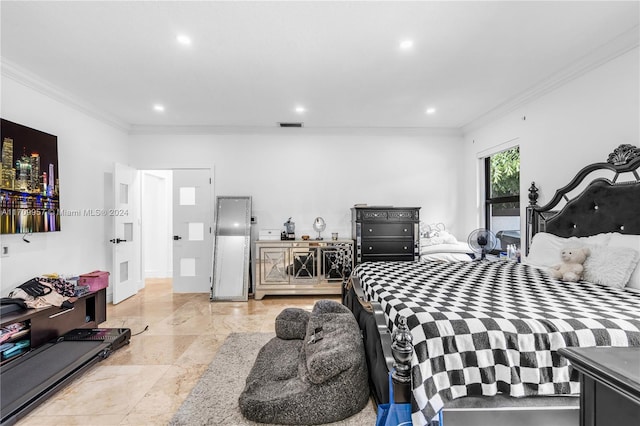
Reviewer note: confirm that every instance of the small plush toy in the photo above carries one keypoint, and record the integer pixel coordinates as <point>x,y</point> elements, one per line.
<point>571,268</point>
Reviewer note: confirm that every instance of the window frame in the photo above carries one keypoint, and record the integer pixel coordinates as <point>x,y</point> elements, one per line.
<point>489,201</point>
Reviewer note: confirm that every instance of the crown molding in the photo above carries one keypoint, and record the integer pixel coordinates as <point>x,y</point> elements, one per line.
<point>28,79</point>
<point>267,130</point>
<point>606,52</point>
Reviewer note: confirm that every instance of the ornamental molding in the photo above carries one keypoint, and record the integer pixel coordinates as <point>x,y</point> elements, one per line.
<point>623,154</point>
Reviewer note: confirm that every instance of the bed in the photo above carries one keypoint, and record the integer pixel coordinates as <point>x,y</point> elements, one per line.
<point>486,334</point>
<point>437,244</point>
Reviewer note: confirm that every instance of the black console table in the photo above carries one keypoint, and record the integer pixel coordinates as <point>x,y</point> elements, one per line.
<point>609,384</point>
<point>44,324</point>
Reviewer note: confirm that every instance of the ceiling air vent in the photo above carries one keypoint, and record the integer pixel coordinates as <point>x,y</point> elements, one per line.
<point>291,124</point>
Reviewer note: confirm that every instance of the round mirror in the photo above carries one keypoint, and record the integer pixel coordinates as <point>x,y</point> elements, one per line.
<point>319,225</point>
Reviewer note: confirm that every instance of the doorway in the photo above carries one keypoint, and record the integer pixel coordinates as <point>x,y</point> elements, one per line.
<point>157,219</point>
<point>176,217</point>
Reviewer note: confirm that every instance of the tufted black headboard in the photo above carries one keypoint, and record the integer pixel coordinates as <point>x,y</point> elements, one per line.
<point>604,205</point>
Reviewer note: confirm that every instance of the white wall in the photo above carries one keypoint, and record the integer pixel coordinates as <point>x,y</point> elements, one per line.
<point>304,173</point>
<point>577,124</point>
<point>87,149</point>
<point>157,223</point>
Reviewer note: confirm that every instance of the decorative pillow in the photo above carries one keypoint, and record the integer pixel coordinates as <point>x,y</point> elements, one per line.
<point>443,237</point>
<point>424,229</point>
<point>327,306</point>
<point>545,248</point>
<point>610,266</point>
<point>291,323</point>
<point>632,242</point>
<point>432,230</point>
<point>337,346</point>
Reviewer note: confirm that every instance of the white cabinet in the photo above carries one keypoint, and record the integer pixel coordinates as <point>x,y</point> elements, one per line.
<point>302,267</point>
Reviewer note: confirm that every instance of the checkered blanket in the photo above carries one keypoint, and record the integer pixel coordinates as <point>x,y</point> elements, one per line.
<point>480,328</point>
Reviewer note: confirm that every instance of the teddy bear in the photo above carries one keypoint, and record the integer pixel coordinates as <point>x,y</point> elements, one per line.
<point>571,268</point>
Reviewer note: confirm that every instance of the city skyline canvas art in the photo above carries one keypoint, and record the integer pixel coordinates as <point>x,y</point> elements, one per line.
<point>29,183</point>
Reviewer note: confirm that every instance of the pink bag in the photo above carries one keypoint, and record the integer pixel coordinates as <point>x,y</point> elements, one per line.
<point>96,280</point>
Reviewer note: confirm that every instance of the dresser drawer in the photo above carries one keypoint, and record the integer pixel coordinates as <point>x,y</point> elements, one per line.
<point>386,257</point>
<point>396,230</point>
<point>370,215</point>
<point>371,247</point>
<point>51,324</point>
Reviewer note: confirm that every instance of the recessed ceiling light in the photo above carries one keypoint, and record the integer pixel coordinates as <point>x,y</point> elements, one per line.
<point>300,109</point>
<point>431,110</point>
<point>406,44</point>
<point>158,108</point>
<point>183,39</point>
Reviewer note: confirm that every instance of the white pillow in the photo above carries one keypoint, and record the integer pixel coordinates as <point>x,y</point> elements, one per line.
<point>445,248</point>
<point>632,242</point>
<point>443,237</point>
<point>545,248</point>
<point>610,266</point>
<point>445,257</point>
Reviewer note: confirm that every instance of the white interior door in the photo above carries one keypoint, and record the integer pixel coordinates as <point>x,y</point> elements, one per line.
<point>192,236</point>
<point>126,276</point>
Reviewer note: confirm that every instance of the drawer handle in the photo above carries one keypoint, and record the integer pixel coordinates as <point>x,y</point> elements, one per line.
<point>405,247</point>
<point>370,248</point>
<point>405,230</point>
<point>370,230</point>
<point>61,313</point>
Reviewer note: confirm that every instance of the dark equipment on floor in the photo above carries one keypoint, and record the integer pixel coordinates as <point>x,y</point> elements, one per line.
<point>30,380</point>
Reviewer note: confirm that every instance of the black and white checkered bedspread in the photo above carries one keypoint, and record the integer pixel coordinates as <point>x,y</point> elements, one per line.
<point>480,328</point>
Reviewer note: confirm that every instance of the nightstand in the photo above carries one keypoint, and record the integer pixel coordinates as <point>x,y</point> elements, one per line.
<point>609,384</point>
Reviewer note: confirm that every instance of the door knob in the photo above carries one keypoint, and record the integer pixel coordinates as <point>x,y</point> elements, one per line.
<point>177,237</point>
<point>117,241</point>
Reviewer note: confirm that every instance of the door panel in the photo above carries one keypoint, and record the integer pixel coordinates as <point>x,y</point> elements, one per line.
<point>126,279</point>
<point>192,237</point>
<point>273,262</point>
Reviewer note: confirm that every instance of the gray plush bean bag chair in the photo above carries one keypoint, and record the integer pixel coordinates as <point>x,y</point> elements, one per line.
<point>313,372</point>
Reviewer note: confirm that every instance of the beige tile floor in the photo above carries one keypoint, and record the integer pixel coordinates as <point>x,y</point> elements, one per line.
<point>145,382</point>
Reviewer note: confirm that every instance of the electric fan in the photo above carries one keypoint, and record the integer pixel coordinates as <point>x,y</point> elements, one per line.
<point>482,241</point>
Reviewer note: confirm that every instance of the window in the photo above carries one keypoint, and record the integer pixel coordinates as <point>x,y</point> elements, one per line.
<point>502,196</point>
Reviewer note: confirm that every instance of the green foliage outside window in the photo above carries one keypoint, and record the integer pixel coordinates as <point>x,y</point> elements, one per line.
<point>505,173</point>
